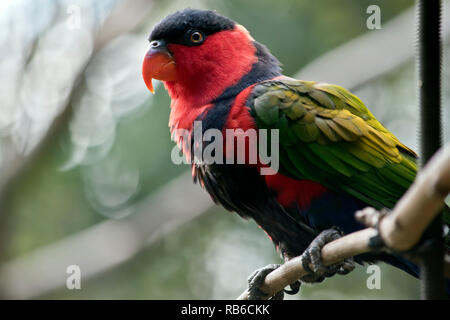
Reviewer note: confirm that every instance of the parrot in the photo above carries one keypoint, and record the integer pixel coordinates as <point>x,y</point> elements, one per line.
<point>335,157</point>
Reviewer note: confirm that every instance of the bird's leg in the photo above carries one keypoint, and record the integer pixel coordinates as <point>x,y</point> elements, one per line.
<point>312,256</point>
<point>371,217</point>
<point>256,280</point>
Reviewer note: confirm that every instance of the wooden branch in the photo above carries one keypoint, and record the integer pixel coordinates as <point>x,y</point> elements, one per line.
<point>333,252</point>
<point>400,230</point>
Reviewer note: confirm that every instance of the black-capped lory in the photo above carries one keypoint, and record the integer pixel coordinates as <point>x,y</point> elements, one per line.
<point>334,156</point>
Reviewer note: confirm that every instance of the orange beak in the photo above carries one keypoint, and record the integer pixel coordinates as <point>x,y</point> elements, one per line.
<point>158,64</point>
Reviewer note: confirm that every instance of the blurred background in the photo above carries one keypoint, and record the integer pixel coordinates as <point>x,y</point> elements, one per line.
<point>85,172</point>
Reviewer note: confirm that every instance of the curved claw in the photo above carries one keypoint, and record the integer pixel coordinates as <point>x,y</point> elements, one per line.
<point>371,217</point>
<point>346,267</point>
<point>256,280</point>
<point>295,288</point>
<point>312,262</point>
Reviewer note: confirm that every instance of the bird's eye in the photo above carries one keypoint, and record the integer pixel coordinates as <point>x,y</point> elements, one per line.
<point>196,37</point>
<point>154,44</point>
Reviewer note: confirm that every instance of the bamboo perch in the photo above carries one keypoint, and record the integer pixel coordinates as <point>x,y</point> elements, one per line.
<point>400,230</point>
<point>338,250</point>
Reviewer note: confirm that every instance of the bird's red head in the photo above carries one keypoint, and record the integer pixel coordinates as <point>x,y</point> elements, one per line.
<point>198,54</point>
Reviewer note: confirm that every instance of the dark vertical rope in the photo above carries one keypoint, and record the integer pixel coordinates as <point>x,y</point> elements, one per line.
<point>429,67</point>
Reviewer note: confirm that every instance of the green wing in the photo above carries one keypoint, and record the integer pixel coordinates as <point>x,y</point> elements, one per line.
<point>327,135</point>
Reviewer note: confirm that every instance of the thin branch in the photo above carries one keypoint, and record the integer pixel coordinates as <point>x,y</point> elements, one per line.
<point>333,252</point>
<point>421,203</point>
<point>400,230</point>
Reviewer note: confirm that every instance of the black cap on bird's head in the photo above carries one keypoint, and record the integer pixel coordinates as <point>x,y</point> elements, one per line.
<point>188,27</point>
<point>200,53</point>
<point>176,26</point>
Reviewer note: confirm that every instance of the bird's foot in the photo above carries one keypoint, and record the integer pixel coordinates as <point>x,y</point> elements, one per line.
<point>312,262</point>
<point>256,280</point>
<point>371,217</point>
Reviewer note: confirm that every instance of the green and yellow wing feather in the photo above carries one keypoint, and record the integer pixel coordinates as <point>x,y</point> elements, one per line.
<point>329,136</point>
